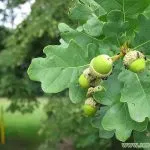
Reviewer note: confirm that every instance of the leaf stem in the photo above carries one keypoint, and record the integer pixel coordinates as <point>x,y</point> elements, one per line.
<point>124,17</point>
<point>118,41</point>
<point>142,44</point>
<point>81,66</point>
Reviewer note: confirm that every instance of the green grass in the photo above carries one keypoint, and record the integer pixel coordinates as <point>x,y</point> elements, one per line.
<point>25,126</point>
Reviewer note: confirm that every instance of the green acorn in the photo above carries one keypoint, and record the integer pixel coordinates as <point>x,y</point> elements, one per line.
<point>101,66</point>
<point>89,108</point>
<point>135,61</point>
<point>83,81</point>
<point>87,79</point>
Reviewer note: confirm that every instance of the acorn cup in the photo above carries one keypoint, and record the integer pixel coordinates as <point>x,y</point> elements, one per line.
<point>93,90</point>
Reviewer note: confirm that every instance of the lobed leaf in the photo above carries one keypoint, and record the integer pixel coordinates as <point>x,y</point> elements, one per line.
<point>142,36</point>
<point>112,93</point>
<point>96,122</point>
<point>93,27</point>
<point>136,94</point>
<point>117,118</point>
<point>60,68</point>
<point>85,9</point>
<point>76,93</point>
<point>129,7</point>
<point>142,137</point>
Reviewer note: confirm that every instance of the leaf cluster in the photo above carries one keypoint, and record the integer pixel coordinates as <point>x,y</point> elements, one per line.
<point>103,27</point>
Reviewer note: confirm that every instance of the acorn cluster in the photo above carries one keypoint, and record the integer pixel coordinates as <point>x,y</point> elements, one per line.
<point>100,68</point>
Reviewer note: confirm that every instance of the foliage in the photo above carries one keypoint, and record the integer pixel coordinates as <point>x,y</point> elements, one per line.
<point>65,122</point>
<point>143,137</point>
<point>3,34</point>
<point>44,24</point>
<point>104,27</point>
<point>24,43</point>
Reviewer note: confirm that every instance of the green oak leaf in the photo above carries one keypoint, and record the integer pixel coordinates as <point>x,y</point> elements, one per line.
<point>95,7</point>
<point>147,12</point>
<point>93,26</point>
<point>61,67</point>
<point>117,29</point>
<point>64,28</point>
<point>84,40</point>
<point>84,9</point>
<point>136,93</point>
<point>80,38</point>
<point>115,25</point>
<point>112,93</point>
<point>63,43</point>
<point>142,35</point>
<point>80,12</point>
<point>142,137</point>
<point>96,123</point>
<point>76,93</point>
<point>117,118</point>
<point>130,8</point>
<point>93,50</point>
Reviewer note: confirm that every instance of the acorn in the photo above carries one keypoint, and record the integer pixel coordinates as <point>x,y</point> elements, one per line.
<point>83,81</point>
<point>87,79</point>
<point>89,108</point>
<point>135,61</point>
<point>101,66</point>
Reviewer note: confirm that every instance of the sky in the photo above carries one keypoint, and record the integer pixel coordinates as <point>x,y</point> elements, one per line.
<point>21,13</point>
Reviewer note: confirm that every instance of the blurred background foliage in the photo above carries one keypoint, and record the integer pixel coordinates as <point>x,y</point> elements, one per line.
<point>18,46</point>
<point>71,131</point>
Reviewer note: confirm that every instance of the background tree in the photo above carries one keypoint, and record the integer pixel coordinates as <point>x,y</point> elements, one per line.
<point>24,43</point>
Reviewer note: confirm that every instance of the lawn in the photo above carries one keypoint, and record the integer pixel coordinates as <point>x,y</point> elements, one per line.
<point>22,129</point>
